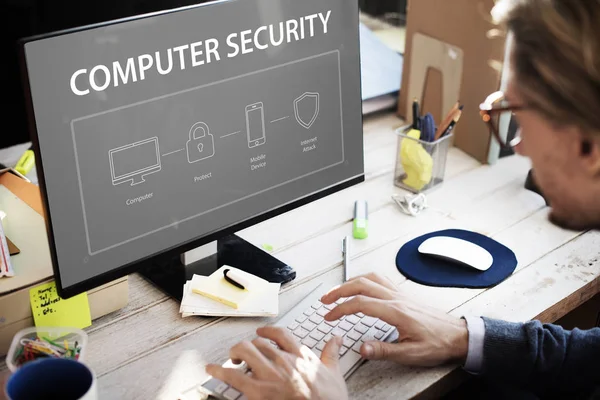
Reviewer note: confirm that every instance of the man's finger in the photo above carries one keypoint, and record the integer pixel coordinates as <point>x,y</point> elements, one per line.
<point>382,309</point>
<point>398,352</point>
<point>282,337</point>
<point>261,367</point>
<point>275,355</point>
<point>383,280</point>
<point>331,352</point>
<point>236,378</point>
<point>359,286</point>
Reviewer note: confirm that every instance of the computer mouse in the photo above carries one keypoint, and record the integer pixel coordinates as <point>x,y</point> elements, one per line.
<point>457,250</point>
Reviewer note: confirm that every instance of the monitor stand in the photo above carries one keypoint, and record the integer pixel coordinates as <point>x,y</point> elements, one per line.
<point>170,275</point>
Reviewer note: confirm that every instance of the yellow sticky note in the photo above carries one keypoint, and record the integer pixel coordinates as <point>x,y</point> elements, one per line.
<point>215,287</point>
<point>50,310</point>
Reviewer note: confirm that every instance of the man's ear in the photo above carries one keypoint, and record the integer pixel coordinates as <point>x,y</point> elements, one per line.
<point>590,154</point>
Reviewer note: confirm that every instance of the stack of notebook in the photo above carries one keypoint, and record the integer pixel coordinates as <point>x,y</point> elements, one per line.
<point>214,295</point>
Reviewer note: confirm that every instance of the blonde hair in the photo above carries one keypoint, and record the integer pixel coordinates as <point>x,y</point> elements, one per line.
<point>555,57</point>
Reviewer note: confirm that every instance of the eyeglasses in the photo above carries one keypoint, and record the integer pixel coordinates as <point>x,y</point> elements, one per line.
<point>495,110</point>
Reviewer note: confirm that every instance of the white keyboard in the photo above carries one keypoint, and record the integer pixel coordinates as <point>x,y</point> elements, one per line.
<point>306,323</point>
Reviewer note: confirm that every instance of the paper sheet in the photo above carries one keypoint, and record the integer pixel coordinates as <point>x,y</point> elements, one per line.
<point>263,302</point>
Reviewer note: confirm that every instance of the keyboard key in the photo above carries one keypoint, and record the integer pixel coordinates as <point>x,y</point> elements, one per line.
<point>343,350</point>
<point>345,326</point>
<point>309,342</point>
<point>357,347</point>
<point>212,384</point>
<point>370,335</point>
<point>309,326</point>
<point>317,305</point>
<point>360,315</point>
<point>317,352</point>
<point>322,311</point>
<point>379,324</point>
<point>386,327</point>
<point>379,335</point>
<point>301,332</point>
<point>323,327</point>
<point>330,306</point>
<point>354,335</point>
<point>309,312</point>
<point>318,335</point>
<point>231,394</point>
<point>338,332</point>
<point>315,319</point>
<point>348,342</point>
<point>327,337</point>
<point>333,323</point>
<point>221,388</point>
<point>353,319</point>
<point>368,321</point>
<point>292,326</point>
<point>361,328</point>
<point>320,346</point>
<point>340,301</point>
<point>300,319</point>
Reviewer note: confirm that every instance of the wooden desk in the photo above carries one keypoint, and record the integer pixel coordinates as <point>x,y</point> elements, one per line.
<point>147,351</point>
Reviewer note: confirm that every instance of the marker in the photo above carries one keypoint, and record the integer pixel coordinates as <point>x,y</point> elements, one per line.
<point>359,226</point>
<point>235,279</point>
<point>26,162</point>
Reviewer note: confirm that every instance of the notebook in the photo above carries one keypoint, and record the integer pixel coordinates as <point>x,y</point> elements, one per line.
<point>214,296</point>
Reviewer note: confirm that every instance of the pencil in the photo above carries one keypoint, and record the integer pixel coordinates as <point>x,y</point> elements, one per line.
<point>446,121</point>
<point>451,126</point>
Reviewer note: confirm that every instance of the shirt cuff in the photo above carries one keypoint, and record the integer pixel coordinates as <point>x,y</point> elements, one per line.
<point>476,329</point>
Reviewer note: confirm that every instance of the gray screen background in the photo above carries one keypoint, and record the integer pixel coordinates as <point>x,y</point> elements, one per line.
<point>100,223</point>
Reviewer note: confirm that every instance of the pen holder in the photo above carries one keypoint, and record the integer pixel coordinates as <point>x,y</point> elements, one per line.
<point>420,165</point>
<point>33,343</point>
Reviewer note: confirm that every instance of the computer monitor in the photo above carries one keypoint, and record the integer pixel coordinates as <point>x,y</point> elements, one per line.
<point>165,133</point>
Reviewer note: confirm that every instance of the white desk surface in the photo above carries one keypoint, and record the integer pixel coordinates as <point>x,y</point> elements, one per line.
<point>147,351</point>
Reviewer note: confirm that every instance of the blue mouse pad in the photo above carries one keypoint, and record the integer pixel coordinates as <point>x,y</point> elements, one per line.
<point>431,271</point>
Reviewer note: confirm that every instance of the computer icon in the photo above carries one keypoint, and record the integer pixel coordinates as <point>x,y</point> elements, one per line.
<point>132,162</point>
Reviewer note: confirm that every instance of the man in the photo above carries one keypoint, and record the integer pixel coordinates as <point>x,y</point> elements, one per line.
<point>554,93</point>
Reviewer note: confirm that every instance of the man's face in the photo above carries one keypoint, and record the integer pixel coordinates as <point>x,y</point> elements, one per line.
<point>561,169</point>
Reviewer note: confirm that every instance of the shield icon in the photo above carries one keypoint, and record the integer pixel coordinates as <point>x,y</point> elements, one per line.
<point>306,109</point>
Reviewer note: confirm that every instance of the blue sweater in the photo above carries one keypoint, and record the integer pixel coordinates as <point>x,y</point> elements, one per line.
<point>545,359</point>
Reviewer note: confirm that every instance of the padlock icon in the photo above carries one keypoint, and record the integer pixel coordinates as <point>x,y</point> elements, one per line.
<point>201,144</point>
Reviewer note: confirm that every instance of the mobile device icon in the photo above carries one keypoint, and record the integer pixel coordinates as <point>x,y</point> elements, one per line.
<point>255,124</point>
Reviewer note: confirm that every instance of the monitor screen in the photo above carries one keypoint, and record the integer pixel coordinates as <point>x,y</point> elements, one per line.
<point>213,114</point>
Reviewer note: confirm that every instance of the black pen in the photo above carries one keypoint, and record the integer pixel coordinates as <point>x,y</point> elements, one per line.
<point>235,279</point>
<point>416,115</point>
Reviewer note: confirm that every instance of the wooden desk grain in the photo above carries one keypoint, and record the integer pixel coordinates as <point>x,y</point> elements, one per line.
<point>147,351</point>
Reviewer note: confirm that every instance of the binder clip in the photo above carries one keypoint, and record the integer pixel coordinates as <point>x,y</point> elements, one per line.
<point>411,204</point>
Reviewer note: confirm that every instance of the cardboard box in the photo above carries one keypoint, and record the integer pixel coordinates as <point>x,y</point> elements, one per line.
<point>463,25</point>
<point>24,225</point>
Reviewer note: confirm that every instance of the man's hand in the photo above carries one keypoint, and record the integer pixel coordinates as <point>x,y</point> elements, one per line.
<point>427,337</point>
<point>288,372</point>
